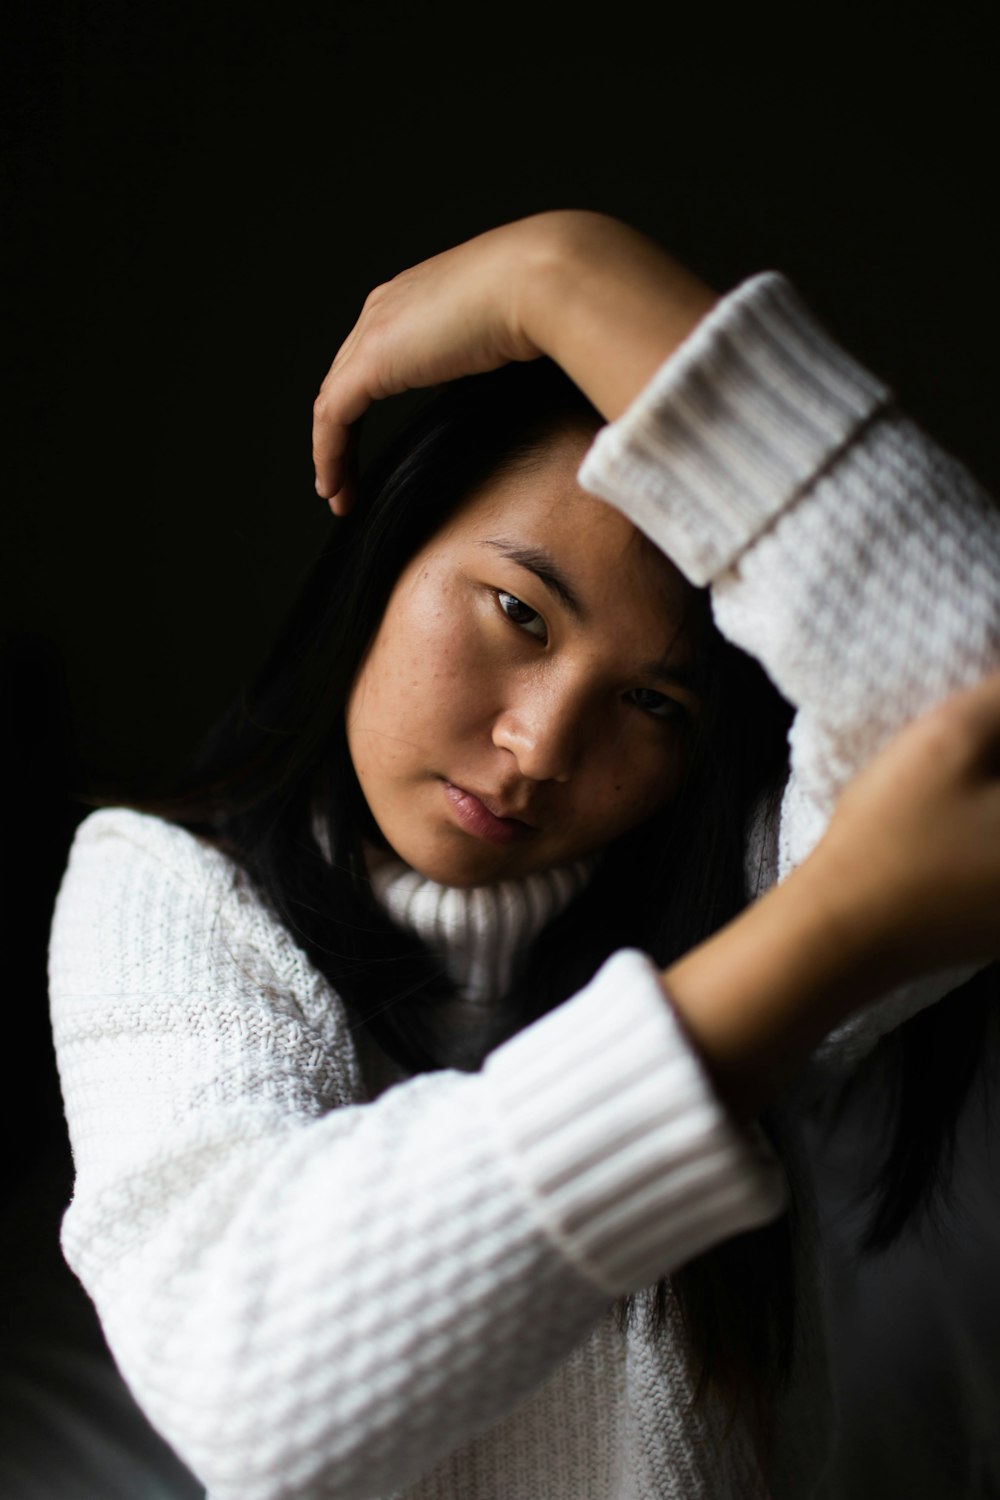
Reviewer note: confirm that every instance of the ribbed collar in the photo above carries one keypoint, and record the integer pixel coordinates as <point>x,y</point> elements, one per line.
<point>478,931</point>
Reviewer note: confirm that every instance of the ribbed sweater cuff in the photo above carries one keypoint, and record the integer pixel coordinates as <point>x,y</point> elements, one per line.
<point>617,1136</point>
<point>732,428</point>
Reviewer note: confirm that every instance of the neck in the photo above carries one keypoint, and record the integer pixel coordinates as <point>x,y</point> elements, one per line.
<point>479,931</point>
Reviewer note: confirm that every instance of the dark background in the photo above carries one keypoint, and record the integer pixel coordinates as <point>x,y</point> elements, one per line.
<point>201,196</point>
<point>204,195</point>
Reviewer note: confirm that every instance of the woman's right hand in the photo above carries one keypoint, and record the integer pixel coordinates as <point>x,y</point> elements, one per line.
<point>915,838</point>
<point>600,298</point>
<point>905,881</point>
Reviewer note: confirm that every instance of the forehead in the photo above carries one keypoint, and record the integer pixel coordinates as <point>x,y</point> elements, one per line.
<point>537,504</point>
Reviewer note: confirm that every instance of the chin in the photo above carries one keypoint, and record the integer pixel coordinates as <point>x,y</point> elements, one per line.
<point>467,868</point>
<point>463,876</point>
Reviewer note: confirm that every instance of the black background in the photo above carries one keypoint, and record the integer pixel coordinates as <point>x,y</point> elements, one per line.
<point>204,194</point>
<point>199,198</point>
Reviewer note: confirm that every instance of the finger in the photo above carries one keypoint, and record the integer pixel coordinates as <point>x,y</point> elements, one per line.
<point>342,501</point>
<point>343,399</point>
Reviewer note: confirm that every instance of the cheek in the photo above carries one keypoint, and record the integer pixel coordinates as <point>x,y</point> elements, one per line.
<point>422,678</point>
<point>633,788</point>
<point>441,671</point>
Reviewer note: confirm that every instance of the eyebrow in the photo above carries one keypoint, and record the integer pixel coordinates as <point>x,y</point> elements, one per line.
<point>689,675</point>
<point>544,567</point>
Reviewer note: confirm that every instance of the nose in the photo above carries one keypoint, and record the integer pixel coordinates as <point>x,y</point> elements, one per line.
<point>545,731</point>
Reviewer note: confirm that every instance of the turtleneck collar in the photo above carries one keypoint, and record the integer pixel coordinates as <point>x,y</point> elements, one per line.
<point>478,931</point>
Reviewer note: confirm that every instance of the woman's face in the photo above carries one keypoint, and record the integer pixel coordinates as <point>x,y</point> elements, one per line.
<point>523,701</point>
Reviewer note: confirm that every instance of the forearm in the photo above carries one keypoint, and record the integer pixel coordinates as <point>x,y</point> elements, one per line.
<point>843,549</point>
<point>759,996</point>
<point>606,303</point>
<point>905,883</point>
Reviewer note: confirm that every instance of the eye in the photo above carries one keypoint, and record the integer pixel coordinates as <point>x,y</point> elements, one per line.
<point>658,705</point>
<point>522,615</point>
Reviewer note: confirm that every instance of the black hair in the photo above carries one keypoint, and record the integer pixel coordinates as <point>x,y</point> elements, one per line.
<point>276,771</point>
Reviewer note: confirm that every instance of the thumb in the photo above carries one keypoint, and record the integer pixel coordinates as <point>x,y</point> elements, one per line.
<point>975,713</point>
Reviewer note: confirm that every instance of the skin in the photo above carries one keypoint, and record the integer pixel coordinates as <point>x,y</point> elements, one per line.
<point>484,678</point>
<point>602,300</point>
<point>906,879</point>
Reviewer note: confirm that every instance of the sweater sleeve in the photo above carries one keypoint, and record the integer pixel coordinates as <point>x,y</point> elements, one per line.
<point>308,1291</point>
<point>842,548</point>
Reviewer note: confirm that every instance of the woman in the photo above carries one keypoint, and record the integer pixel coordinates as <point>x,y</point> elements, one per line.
<point>400,1169</point>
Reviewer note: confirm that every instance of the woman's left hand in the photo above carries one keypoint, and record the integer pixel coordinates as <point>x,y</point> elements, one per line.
<point>600,298</point>
<point>449,316</point>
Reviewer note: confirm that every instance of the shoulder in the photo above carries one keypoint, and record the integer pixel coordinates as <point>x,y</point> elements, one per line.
<point>121,837</point>
<point>130,874</point>
<point>154,922</point>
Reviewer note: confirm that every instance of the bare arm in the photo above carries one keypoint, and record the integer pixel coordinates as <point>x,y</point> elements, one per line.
<point>904,882</point>
<point>598,297</point>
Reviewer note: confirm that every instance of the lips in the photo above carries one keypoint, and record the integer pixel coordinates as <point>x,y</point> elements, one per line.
<point>485,819</point>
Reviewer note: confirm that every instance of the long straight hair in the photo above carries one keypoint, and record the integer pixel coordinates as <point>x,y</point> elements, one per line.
<point>276,772</point>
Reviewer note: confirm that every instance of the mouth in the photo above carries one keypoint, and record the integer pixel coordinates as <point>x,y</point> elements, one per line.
<point>485,820</point>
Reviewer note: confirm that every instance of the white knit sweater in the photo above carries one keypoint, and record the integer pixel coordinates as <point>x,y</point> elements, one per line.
<point>316,1288</point>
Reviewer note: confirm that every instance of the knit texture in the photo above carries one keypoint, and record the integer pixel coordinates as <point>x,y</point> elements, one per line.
<point>857,561</point>
<point>478,932</point>
<point>317,1289</point>
<point>257,1235</point>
